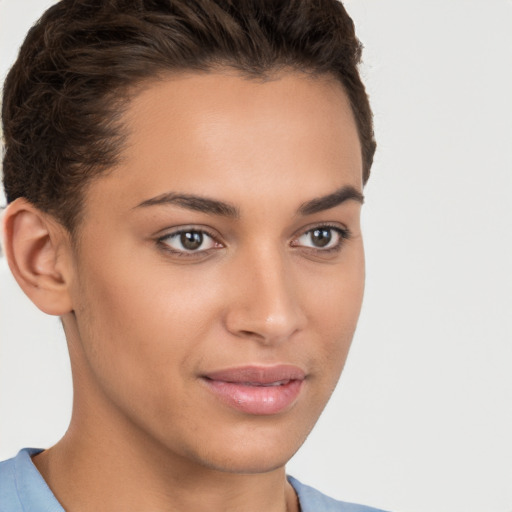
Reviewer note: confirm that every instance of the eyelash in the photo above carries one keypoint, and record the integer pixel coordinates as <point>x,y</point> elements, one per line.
<point>190,253</point>
<point>343,233</point>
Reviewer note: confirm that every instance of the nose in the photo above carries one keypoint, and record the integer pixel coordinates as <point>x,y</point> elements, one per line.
<point>266,305</point>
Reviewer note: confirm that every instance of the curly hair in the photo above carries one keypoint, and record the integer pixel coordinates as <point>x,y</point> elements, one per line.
<point>84,59</point>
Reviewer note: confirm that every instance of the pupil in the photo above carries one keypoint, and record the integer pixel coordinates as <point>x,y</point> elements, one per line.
<point>191,240</point>
<point>321,237</point>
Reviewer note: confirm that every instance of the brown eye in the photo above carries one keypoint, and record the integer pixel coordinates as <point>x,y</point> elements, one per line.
<point>188,241</point>
<point>191,240</point>
<point>321,237</point>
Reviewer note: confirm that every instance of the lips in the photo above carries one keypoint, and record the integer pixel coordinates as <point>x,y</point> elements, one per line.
<point>257,390</point>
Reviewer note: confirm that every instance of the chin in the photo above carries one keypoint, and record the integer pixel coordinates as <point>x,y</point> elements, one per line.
<point>249,463</point>
<point>257,450</point>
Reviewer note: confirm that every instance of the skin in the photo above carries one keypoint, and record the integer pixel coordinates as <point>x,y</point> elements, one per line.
<point>144,321</point>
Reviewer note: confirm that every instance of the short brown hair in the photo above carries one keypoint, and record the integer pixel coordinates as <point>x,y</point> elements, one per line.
<point>66,92</point>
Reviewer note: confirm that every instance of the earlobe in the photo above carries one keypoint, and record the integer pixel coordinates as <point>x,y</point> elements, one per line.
<point>37,250</point>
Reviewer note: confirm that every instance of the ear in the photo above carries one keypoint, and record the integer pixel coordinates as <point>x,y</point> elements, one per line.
<point>38,251</point>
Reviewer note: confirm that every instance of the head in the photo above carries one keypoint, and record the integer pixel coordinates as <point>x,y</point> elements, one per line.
<point>185,181</point>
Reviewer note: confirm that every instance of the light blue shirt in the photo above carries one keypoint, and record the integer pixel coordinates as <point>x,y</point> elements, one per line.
<point>23,489</point>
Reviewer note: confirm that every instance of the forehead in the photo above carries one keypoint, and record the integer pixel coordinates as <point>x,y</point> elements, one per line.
<point>220,133</point>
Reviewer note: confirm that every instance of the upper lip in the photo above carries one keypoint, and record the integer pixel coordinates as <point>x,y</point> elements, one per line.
<point>255,374</point>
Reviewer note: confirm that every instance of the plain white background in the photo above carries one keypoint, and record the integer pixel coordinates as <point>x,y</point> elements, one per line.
<point>422,418</point>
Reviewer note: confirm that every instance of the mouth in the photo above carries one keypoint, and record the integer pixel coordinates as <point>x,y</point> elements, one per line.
<point>270,384</point>
<point>257,390</point>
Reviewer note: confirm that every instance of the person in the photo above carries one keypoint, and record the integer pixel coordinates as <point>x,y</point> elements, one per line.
<point>185,181</point>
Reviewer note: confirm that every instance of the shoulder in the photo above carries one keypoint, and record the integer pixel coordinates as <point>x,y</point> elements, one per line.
<point>8,487</point>
<point>312,500</point>
<point>22,488</point>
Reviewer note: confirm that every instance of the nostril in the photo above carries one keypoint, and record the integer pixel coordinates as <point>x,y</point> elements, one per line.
<point>250,334</point>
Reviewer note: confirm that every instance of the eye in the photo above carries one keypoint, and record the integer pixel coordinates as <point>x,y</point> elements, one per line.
<point>322,238</point>
<point>188,241</point>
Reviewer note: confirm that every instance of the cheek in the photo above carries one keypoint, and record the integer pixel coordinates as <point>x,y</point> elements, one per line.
<point>335,308</point>
<point>141,339</point>
<point>337,298</point>
<point>145,316</point>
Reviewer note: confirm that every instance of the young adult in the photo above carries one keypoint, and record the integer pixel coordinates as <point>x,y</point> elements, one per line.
<point>185,180</point>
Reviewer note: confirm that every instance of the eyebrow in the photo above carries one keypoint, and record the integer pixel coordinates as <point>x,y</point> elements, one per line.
<point>341,195</point>
<point>216,207</point>
<point>193,202</point>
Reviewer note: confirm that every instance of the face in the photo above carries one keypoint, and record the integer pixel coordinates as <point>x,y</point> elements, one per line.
<point>219,272</point>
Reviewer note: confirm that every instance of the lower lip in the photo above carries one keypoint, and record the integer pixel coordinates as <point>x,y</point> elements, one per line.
<point>258,400</point>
